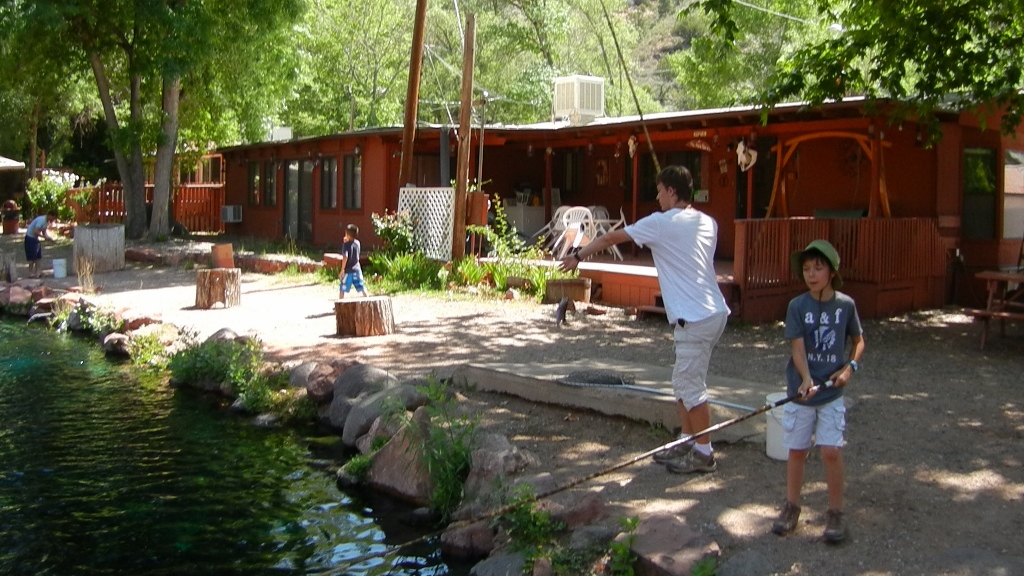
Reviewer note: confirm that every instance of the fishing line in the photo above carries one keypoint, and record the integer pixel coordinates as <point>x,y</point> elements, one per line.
<point>571,484</point>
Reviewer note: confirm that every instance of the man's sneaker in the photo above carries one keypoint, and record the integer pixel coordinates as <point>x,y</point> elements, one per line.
<point>691,463</point>
<point>835,528</point>
<point>673,453</point>
<point>787,520</point>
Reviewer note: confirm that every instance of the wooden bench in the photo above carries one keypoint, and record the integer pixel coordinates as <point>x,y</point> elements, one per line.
<point>988,315</point>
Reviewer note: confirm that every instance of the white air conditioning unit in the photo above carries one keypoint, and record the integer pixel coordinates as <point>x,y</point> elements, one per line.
<point>578,99</point>
<point>231,214</point>
<point>280,133</point>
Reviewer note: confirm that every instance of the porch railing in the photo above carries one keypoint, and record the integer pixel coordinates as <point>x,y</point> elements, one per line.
<point>882,252</point>
<point>195,206</point>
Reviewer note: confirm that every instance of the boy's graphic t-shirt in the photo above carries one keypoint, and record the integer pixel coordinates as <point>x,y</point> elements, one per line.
<point>824,327</point>
<point>351,250</point>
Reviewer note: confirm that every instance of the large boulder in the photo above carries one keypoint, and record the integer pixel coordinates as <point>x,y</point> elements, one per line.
<point>399,469</point>
<point>494,456</point>
<point>666,546</point>
<point>299,375</point>
<point>374,406</point>
<point>463,541</point>
<point>353,386</point>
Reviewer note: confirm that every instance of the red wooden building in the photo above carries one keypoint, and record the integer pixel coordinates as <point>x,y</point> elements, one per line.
<point>911,222</point>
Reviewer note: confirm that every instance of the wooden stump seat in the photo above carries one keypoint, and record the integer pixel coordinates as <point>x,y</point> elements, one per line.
<point>101,245</point>
<point>8,271</point>
<point>364,316</point>
<point>222,285</point>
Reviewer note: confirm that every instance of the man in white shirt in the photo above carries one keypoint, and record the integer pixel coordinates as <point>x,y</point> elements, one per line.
<point>682,240</point>
<point>38,228</point>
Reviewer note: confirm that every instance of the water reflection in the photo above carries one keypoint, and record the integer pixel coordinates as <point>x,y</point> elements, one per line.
<point>108,471</point>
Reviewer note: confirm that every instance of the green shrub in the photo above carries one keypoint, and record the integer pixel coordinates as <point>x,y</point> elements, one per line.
<point>408,271</point>
<point>358,466</point>
<point>396,232</point>
<point>469,271</point>
<point>446,445</point>
<point>147,350</point>
<point>527,527</point>
<point>237,364</point>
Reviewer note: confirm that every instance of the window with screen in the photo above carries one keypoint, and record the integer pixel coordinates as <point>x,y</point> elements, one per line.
<point>353,183</point>
<point>270,183</point>
<point>979,184</point>
<point>254,183</point>
<point>329,183</point>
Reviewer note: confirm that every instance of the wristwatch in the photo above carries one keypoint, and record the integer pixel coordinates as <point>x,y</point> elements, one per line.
<point>576,255</point>
<point>854,365</point>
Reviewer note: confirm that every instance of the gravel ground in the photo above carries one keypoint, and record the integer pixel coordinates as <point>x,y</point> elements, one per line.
<point>934,465</point>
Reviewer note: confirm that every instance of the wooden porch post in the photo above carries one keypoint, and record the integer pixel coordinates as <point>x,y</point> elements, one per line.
<point>873,195</point>
<point>547,184</point>
<point>636,185</point>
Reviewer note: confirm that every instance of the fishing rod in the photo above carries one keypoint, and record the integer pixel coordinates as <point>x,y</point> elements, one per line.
<point>629,80</point>
<point>571,484</point>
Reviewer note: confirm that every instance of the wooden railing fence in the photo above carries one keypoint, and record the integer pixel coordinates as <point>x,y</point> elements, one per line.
<point>195,206</point>
<point>881,252</point>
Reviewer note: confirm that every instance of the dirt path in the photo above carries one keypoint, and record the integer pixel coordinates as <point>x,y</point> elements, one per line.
<point>934,461</point>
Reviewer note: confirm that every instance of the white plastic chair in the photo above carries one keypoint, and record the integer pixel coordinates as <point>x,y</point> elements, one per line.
<point>553,228</point>
<point>578,229</point>
<point>599,213</point>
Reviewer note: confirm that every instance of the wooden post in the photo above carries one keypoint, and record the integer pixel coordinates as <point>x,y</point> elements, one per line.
<point>465,141</point>
<point>100,244</point>
<point>222,285</point>
<point>8,271</point>
<point>412,95</point>
<point>364,316</point>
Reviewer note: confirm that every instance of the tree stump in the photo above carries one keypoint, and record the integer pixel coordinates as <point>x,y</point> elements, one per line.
<point>8,272</point>
<point>364,316</point>
<point>102,245</point>
<point>222,285</point>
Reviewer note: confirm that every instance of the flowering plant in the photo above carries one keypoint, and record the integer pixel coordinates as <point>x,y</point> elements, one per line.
<point>49,193</point>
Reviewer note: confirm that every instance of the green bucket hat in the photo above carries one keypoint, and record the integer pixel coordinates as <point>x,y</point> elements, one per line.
<point>824,248</point>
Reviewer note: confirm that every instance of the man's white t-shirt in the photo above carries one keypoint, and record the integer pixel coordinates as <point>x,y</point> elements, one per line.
<point>683,243</point>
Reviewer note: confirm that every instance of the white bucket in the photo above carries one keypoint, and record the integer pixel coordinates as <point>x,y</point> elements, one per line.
<point>773,445</point>
<point>60,268</point>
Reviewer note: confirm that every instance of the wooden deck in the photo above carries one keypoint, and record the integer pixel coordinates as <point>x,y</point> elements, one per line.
<point>633,283</point>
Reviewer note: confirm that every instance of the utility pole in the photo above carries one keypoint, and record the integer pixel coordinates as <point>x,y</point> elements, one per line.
<point>412,95</point>
<point>465,140</point>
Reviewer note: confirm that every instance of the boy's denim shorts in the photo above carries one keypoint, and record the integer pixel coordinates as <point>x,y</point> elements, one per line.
<point>826,423</point>
<point>354,278</point>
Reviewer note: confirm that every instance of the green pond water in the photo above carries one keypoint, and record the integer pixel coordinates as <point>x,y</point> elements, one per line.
<point>105,470</point>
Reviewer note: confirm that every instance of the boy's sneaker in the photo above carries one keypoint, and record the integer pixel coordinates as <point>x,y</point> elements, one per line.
<point>691,463</point>
<point>835,527</point>
<point>673,453</point>
<point>787,520</point>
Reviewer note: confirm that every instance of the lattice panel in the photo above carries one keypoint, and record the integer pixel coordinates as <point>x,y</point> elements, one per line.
<point>433,216</point>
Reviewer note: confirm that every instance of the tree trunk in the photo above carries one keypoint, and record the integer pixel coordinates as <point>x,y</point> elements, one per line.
<point>160,225</point>
<point>103,85</point>
<point>101,245</point>
<point>135,196</point>
<point>33,148</point>
<point>364,316</point>
<point>222,285</point>
<point>130,169</point>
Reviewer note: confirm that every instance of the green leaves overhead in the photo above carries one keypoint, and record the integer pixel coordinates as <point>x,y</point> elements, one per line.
<point>956,54</point>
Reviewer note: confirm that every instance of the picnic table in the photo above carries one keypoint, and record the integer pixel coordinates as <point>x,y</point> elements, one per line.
<point>1002,302</point>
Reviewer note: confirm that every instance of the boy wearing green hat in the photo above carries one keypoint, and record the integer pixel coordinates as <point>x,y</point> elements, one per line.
<point>818,324</point>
